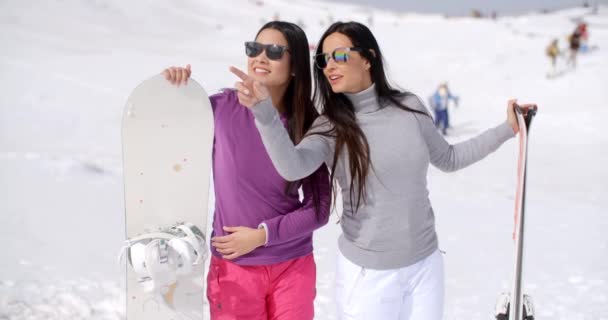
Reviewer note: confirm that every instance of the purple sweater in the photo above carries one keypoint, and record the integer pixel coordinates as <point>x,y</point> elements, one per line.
<point>249,191</point>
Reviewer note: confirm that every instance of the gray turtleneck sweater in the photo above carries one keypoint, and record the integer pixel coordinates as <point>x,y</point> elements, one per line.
<point>395,227</point>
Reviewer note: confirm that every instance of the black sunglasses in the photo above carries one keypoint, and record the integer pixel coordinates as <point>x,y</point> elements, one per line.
<point>340,55</point>
<point>273,51</point>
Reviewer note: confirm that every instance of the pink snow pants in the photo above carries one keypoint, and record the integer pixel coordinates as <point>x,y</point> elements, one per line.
<point>282,291</point>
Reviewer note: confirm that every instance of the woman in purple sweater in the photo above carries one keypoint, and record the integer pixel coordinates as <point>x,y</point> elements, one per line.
<point>262,265</point>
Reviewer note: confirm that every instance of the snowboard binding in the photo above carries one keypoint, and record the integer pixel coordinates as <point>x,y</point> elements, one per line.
<point>161,256</point>
<point>503,307</point>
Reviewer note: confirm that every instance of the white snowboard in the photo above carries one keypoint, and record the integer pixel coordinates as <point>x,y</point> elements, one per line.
<point>167,140</point>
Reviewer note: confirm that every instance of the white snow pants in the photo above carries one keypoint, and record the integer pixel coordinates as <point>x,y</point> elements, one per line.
<point>411,293</point>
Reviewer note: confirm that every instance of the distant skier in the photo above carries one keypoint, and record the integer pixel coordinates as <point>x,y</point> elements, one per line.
<point>584,43</point>
<point>553,52</point>
<point>439,102</point>
<point>575,43</point>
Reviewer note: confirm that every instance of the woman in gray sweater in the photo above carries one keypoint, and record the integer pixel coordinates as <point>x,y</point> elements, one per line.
<point>379,142</point>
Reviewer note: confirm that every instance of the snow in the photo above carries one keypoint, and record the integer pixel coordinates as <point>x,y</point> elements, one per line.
<point>67,68</point>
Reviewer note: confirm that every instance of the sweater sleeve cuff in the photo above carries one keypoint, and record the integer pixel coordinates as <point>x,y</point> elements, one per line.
<point>264,226</point>
<point>264,112</point>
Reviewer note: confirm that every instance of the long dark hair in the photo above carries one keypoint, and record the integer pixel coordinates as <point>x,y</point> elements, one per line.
<point>299,108</point>
<point>341,113</point>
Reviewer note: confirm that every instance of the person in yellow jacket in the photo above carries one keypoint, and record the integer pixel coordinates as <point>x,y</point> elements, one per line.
<point>553,52</point>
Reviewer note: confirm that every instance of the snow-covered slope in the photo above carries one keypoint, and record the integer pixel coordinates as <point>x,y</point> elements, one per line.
<point>67,67</point>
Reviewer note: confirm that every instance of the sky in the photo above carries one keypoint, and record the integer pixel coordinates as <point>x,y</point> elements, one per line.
<point>460,7</point>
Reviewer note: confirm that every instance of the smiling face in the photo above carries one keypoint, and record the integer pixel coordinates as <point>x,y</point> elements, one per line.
<point>272,73</point>
<point>351,76</point>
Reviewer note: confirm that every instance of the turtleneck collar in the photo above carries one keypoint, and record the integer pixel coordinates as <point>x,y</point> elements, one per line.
<point>364,101</point>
